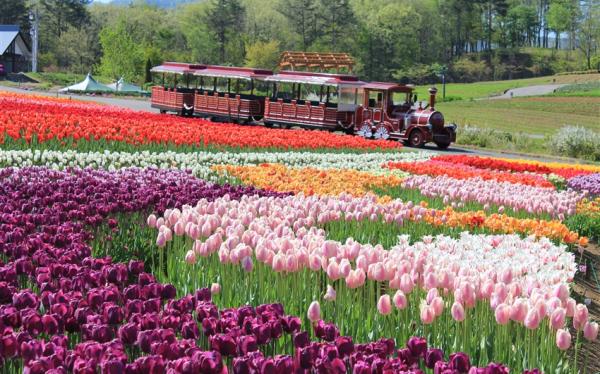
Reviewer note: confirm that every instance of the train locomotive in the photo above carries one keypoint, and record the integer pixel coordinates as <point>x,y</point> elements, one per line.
<point>334,102</point>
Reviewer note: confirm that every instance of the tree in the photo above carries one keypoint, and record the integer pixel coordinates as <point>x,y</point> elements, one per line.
<point>224,18</point>
<point>337,19</point>
<point>15,13</point>
<point>559,19</point>
<point>302,15</point>
<point>589,29</point>
<point>76,50</point>
<point>122,56</point>
<point>58,15</point>
<point>263,55</point>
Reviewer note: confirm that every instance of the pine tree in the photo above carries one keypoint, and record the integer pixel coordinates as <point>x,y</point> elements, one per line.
<point>224,18</point>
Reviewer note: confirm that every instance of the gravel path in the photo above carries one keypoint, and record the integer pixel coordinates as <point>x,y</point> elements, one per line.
<point>543,89</point>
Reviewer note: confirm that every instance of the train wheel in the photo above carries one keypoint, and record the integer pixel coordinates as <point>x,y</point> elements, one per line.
<point>382,132</point>
<point>162,111</point>
<point>365,130</point>
<point>442,145</point>
<point>269,124</point>
<point>416,139</point>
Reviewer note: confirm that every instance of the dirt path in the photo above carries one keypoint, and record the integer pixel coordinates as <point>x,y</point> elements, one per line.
<point>543,89</point>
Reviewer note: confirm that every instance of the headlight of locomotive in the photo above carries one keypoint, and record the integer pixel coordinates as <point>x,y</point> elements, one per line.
<point>437,119</point>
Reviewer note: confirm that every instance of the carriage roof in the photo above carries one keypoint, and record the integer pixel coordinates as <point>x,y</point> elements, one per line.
<point>233,72</point>
<point>385,86</point>
<point>320,79</point>
<point>177,68</point>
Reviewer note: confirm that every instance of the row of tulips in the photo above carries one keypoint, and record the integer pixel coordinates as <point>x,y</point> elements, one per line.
<point>41,119</point>
<point>332,183</point>
<point>588,183</point>
<point>534,200</point>
<point>255,243</point>
<point>436,168</point>
<point>309,181</point>
<point>521,166</point>
<point>200,163</point>
<point>64,311</point>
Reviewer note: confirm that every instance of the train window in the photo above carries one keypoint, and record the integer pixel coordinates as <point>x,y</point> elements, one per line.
<point>400,98</point>
<point>347,95</point>
<point>376,99</point>
<point>262,88</point>
<point>310,92</point>
<point>333,95</point>
<point>222,85</point>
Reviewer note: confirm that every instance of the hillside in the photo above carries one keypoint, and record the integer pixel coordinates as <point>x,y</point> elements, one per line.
<point>158,3</point>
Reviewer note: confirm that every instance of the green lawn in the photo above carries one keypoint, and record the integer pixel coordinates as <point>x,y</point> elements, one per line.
<point>64,79</point>
<point>532,115</point>
<point>467,91</point>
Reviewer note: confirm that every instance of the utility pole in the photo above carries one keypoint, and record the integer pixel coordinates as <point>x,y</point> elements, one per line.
<point>34,18</point>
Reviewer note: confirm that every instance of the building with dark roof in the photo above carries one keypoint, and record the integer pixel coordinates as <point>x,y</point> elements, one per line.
<point>15,53</point>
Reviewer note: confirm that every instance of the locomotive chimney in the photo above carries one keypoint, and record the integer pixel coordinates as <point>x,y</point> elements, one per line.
<point>432,92</point>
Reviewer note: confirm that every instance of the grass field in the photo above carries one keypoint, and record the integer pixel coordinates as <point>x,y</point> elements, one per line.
<point>532,115</point>
<point>467,91</point>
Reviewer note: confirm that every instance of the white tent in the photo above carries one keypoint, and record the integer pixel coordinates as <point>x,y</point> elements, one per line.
<point>122,86</point>
<point>89,84</point>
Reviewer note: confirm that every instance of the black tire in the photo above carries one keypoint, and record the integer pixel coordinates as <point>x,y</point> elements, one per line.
<point>442,145</point>
<point>162,111</point>
<point>416,139</point>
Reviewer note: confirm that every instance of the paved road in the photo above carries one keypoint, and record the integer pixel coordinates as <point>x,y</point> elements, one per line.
<point>543,89</point>
<point>144,105</point>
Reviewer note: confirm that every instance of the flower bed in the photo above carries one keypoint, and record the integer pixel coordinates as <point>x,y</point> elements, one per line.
<point>521,166</point>
<point>90,314</point>
<point>534,200</point>
<point>588,183</point>
<point>40,119</point>
<point>457,171</point>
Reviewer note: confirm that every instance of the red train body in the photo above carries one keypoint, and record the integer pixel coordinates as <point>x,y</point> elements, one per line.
<point>306,99</point>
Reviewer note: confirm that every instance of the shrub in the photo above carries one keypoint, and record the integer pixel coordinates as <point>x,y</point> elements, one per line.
<point>576,141</point>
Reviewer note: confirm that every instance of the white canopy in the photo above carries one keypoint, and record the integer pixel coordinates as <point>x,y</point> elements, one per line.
<point>122,86</point>
<point>89,84</point>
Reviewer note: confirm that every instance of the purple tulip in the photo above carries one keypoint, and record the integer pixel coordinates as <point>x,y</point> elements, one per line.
<point>417,346</point>
<point>432,356</point>
<point>460,361</point>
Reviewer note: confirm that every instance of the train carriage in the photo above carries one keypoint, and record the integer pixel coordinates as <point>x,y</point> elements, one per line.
<point>231,93</point>
<point>314,100</point>
<point>174,97</point>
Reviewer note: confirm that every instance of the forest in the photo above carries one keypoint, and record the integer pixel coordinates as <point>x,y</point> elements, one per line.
<point>390,39</point>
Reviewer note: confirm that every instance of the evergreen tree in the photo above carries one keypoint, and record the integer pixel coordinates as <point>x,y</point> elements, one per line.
<point>15,13</point>
<point>224,19</point>
<point>302,15</point>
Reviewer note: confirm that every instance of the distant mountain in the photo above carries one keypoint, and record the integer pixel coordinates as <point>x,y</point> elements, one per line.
<point>158,3</point>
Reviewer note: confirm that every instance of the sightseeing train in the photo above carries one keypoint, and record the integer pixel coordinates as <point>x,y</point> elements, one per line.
<point>334,102</point>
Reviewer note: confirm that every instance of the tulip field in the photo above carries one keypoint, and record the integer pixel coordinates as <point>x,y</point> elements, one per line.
<point>134,242</point>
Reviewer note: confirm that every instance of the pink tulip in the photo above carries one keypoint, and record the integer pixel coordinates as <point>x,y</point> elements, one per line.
<point>330,295</point>
<point>570,307</point>
<point>279,263</point>
<point>561,291</point>
<point>215,289</point>
<point>151,220</point>
<point>400,300</point>
<point>502,314</point>
<point>333,271</point>
<point>563,339</point>
<point>557,318</point>
<point>580,317</point>
<point>458,312</point>
<point>314,311</point>
<point>161,240</point>
<point>431,294</point>
<point>179,228</point>
<point>438,306</point>
<point>384,305</point>
<point>406,284</point>
<point>518,311</point>
<point>532,319</point>
<point>427,315</point>
<point>590,331</point>
<point>247,264</point>
<point>190,257</point>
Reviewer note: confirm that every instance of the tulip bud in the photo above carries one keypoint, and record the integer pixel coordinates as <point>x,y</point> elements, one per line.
<point>384,305</point>
<point>563,339</point>
<point>215,289</point>
<point>314,311</point>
